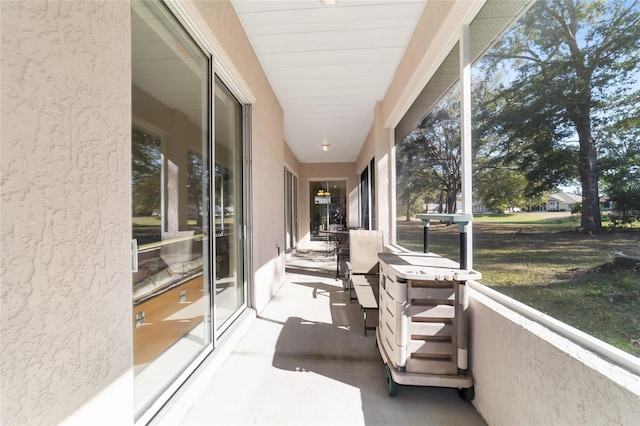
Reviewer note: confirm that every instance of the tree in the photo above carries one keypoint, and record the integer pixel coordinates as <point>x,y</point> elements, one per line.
<point>438,137</point>
<point>414,179</point>
<point>146,166</point>
<point>196,175</point>
<point>508,193</point>
<point>620,161</point>
<point>566,59</point>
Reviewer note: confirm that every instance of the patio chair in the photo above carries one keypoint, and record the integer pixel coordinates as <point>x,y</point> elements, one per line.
<point>362,270</point>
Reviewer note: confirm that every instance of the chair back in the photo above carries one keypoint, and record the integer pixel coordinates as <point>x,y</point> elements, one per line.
<point>364,246</point>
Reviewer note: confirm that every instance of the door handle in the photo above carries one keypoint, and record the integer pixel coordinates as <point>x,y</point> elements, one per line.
<point>134,255</point>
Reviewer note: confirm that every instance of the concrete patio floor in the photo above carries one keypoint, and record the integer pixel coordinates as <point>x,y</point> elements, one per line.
<point>305,361</point>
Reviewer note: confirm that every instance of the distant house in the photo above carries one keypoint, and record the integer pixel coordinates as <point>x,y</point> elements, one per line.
<point>560,201</point>
<point>479,207</point>
<point>607,204</point>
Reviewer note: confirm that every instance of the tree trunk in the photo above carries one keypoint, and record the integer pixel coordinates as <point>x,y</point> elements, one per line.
<point>591,220</point>
<point>408,211</point>
<point>451,202</point>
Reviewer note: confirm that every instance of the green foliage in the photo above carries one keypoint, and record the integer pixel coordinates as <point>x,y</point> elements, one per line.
<point>566,62</point>
<point>576,208</point>
<point>620,162</point>
<point>196,176</point>
<point>500,189</point>
<point>146,167</point>
<point>415,182</point>
<point>428,160</point>
<point>439,133</point>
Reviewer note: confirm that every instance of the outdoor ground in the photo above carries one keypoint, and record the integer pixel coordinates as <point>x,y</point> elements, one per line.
<point>542,260</point>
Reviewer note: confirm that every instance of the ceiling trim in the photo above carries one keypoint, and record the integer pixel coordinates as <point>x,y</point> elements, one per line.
<point>222,65</point>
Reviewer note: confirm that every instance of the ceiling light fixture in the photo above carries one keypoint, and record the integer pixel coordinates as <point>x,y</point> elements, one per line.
<point>328,2</point>
<point>325,146</point>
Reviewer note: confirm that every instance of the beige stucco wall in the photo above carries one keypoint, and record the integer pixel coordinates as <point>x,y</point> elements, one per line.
<point>65,212</point>
<point>527,375</point>
<point>290,161</point>
<point>219,23</point>
<point>379,146</point>
<point>437,30</point>
<point>65,225</point>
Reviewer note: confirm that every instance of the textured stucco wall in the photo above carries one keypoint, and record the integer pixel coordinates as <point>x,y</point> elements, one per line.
<point>385,179</point>
<point>291,161</point>
<point>378,145</point>
<point>527,375</point>
<point>65,215</point>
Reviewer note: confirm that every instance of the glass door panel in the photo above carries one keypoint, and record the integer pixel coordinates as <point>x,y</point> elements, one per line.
<point>229,279</point>
<point>319,208</point>
<point>328,207</point>
<point>170,198</point>
<point>290,210</point>
<point>364,199</point>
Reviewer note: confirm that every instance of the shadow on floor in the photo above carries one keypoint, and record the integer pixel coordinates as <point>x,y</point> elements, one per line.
<point>340,351</point>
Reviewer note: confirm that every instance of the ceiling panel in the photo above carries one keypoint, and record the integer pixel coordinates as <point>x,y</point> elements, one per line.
<point>328,65</point>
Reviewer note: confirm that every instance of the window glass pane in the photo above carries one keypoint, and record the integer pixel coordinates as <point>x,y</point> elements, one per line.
<point>556,140</point>
<point>364,199</point>
<point>294,210</point>
<point>170,198</point>
<point>290,188</point>
<point>229,279</point>
<point>328,207</point>
<point>555,158</point>
<point>372,186</point>
<point>338,206</point>
<point>428,174</point>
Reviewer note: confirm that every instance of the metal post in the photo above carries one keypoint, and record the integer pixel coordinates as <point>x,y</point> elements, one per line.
<point>463,250</point>
<point>465,118</point>
<point>425,240</point>
<point>464,260</point>
<point>425,237</point>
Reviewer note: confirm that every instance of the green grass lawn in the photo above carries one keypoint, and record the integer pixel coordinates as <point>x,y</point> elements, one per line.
<point>541,260</point>
<point>534,218</point>
<point>154,221</point>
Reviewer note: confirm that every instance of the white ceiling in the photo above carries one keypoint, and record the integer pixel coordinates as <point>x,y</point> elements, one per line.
<point>328,65</point>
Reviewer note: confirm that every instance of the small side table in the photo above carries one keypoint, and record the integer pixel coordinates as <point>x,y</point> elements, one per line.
<point>462,220</point>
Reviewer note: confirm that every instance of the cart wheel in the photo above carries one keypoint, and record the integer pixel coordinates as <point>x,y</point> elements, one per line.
<point>392,387</point>
<point>467,393</point>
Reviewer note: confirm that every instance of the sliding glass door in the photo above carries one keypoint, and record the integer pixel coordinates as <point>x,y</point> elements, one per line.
<point>367,196</point>
<point>188,215</point>
<point>290,209</point>
<point>229,224</point>
<point>328,206</point>
<point>170,201</point>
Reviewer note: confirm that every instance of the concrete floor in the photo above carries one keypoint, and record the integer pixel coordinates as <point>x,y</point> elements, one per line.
<point>305,361</point>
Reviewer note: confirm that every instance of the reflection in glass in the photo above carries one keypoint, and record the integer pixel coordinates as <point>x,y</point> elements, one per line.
<point>146,181</point>
<point>290,210</point>
<point>170,198</point>
<point>229,278</point>
<point>328,207</point>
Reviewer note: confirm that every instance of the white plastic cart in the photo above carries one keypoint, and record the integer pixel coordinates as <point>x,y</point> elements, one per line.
<point>422,330</point>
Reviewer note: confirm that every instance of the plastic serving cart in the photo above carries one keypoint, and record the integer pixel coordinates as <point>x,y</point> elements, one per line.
<point>422,330</point>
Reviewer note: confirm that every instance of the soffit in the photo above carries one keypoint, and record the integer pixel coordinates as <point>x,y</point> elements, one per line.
<point>328,66</point>
<point>495,17</point>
